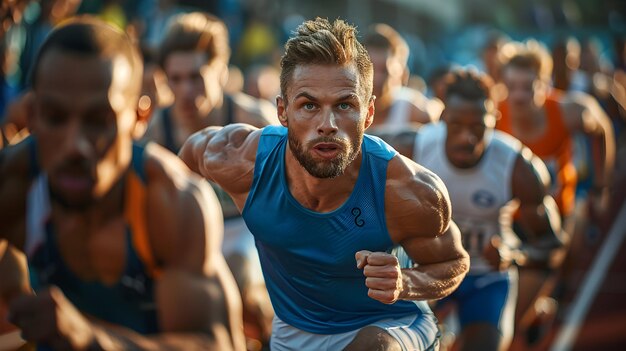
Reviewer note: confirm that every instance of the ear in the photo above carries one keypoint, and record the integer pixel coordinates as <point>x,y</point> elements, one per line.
<point>281,109</point>
<point>369,118</point>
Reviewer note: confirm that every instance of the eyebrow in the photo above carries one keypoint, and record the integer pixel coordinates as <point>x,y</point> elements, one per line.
<point>305,95</point>
<point>350,96</point>
<point>53,102</point>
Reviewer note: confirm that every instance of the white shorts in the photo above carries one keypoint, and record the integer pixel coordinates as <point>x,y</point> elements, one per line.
<point>239,240</point>
<point>413,333</point>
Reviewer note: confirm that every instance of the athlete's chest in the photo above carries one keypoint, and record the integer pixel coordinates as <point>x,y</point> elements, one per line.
<point>92,252</point>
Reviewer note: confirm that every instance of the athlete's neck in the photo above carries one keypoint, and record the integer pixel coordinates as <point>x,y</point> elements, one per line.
<point>320,194</point>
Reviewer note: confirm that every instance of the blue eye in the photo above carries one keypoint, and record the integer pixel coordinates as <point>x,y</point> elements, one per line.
<point>344,106</point>
<point>309,106</point>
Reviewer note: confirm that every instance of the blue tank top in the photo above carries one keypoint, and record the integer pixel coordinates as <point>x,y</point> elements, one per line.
<point>308,257</point>
<point>129,302</point>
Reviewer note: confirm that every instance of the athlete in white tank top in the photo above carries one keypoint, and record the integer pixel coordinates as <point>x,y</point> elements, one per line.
<point>480,195</point>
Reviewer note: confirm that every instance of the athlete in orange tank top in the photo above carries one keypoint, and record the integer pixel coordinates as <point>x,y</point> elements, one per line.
<point>554,147</point>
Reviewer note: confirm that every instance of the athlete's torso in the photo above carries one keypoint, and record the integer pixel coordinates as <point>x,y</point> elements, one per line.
<point>308,257</point>
<point>129,301</point>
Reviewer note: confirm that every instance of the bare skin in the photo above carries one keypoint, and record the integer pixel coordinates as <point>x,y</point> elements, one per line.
<point>322,100</point>
<point>195,294</point>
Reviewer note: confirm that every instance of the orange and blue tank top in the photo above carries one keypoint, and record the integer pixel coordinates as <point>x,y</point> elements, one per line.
<point>130,301</point>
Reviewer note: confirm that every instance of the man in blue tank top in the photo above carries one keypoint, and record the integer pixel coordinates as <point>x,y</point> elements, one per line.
<point>326,204</point>
<point>123,241</point>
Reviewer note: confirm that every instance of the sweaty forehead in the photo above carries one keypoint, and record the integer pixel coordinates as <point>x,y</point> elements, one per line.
<point>324,78</point>
<point>63,69</point>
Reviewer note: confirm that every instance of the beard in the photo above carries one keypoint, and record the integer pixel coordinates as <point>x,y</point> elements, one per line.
<point>326,168</point>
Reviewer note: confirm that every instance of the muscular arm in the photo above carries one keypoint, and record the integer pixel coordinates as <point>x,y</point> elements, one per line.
<point>418,216</point>
<point>224,155</point>
<point>197,301</point>
<point>538,214</point>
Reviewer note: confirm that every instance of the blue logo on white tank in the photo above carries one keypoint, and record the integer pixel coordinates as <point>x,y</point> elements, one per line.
<point>483,198</point>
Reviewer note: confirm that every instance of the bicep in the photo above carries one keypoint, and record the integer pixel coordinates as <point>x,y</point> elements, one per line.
<point>430,250</point>
<point>416,201</point>
<point>187,244</point>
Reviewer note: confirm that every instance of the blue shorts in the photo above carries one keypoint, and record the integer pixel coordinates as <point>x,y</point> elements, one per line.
<point>486,298</point>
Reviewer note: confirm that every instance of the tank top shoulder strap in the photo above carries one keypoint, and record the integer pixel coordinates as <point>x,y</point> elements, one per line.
<point>135,210</point>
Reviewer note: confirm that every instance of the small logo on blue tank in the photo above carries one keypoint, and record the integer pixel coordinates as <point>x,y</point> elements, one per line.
<point>356,212</point>
<point>483,198</point>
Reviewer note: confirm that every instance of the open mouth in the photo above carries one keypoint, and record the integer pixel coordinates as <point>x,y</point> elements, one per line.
<point>327,150</point>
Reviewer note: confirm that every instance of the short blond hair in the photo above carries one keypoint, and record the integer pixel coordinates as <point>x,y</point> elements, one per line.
<point>321,42</point>
<point>531,55</point>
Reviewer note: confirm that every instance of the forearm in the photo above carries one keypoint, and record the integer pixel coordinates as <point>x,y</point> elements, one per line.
<point>546,238</point>
<point>433,281</point>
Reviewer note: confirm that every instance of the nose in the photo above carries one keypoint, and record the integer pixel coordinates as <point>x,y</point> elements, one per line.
<point>77,143</point>
<point>328,123</point>
<point>468,137</point>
